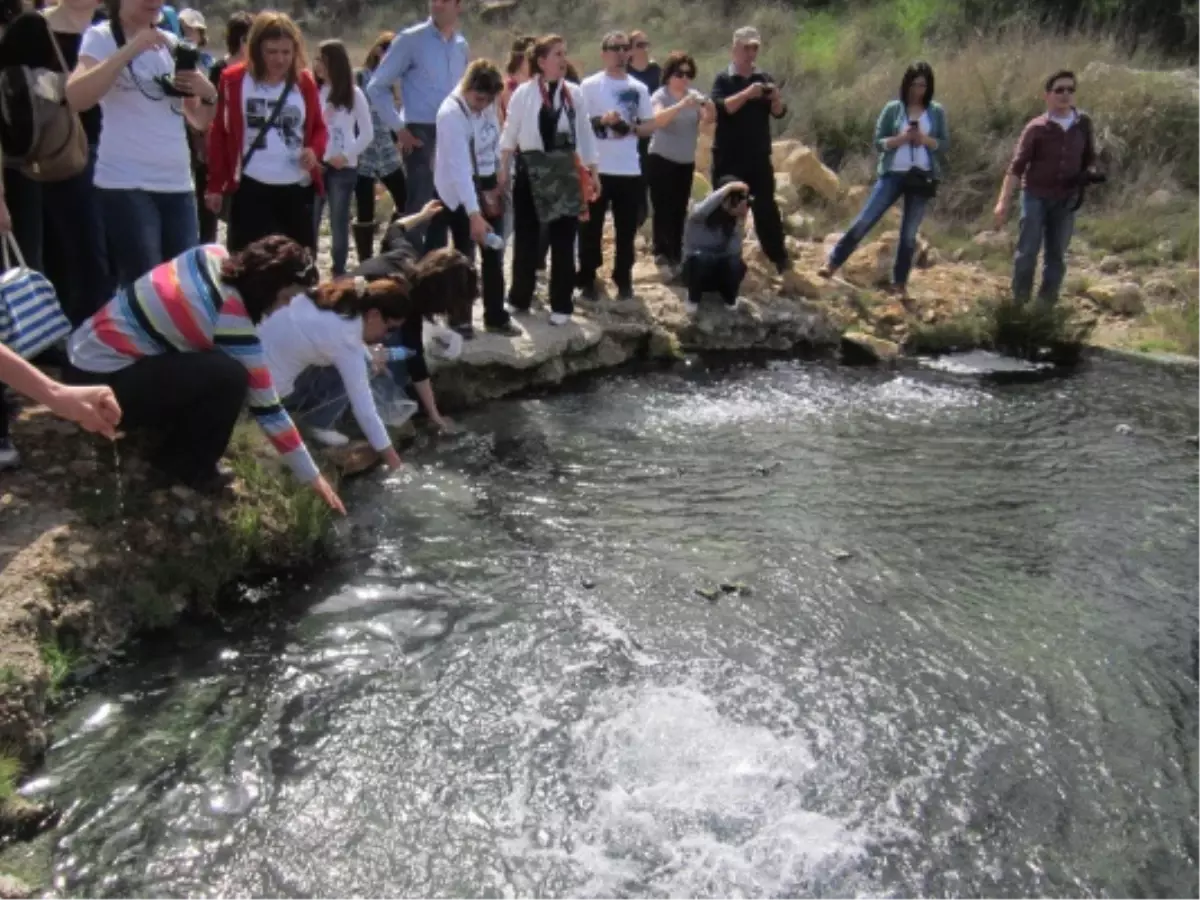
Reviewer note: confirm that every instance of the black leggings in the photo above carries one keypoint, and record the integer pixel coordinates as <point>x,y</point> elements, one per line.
<point>703,273</point>
<point>192,400</point>
<point>261,209</point>
<point>623,193</point>
<point>364,194</point>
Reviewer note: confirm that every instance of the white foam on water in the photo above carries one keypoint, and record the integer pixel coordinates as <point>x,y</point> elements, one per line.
<point>688,802</point>
<point>980,362</point>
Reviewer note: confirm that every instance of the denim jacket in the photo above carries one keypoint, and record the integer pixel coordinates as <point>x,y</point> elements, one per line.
<point>894,120</point>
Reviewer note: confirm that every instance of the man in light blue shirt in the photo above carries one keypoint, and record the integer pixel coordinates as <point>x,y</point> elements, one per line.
<point>427,61</point>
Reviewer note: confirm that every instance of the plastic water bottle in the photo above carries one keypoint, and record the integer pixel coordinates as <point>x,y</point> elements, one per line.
<point>395,354</point>
<point>494,241</point>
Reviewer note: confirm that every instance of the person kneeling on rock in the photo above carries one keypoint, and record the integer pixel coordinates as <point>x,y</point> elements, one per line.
<point>712,244</point>
<point>323,355</point>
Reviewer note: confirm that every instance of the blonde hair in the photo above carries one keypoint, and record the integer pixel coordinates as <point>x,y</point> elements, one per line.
<point>484,76</point>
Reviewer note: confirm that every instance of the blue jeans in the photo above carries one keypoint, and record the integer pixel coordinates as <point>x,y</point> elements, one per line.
<point>418,169</point>
<point>339,190</point>
<point>145,228</point>
<point>1043,221</point>
<point>887,190</point>
<point>318,398</point>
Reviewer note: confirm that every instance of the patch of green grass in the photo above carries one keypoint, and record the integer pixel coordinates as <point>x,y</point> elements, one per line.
<point>10,771</point>
<point>1026,330</point>
<point>1142,236</point>
<point>1173,330</point>
<point>60,662</point>
<point>962,333</point>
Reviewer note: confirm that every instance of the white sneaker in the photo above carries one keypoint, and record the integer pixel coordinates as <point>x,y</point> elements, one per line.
<point>9,457</point>
<point>560,319</point>
<point>691,307</point>
<point>329,438</point>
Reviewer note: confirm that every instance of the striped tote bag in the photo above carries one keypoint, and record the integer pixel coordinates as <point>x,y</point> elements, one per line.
<point>31,319</point>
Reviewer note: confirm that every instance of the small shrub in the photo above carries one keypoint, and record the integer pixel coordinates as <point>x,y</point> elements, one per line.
<point>1033,330</point>
<point>10,771</point>
<point>60,662</point>
<point>964,332</point>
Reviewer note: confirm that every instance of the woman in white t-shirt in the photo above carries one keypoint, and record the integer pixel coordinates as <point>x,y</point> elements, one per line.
<point>143,168</point>
<point>348,119</point>
<point>323,352</point>
<point>268,138</point>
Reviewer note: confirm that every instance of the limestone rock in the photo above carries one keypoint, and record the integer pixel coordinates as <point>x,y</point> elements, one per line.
<point>859,348</point>
<point>797,284</point>
<point>1160,198</point>
<point>1160,289</point>
<point>1122,298</point>
<point>781,150</point>
<point>1110,265</point>
<point>993,240</point>
<point>800,226</point>
<point>786,194</point>
<point>806,170</point>
<point>13,888</point>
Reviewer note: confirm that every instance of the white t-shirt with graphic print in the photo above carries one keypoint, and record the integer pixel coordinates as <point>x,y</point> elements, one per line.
<point>143,138</point>
<point>628,96</point>
<point>277,159</point>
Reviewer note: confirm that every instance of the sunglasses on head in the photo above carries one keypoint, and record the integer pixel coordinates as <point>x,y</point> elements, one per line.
<point>1065,89</point>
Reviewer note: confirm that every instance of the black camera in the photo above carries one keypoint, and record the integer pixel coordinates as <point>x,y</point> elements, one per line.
<point>187,56</point>
<point>620,128</point>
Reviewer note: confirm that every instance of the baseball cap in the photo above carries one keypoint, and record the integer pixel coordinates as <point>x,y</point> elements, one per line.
<point>747,34</point>
<point>192,18</point>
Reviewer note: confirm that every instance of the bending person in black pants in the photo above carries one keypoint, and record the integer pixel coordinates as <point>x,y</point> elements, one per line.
<point>464,178</point>
<point>548,124</point>
<point>747,98</point>
<point>712,244</point>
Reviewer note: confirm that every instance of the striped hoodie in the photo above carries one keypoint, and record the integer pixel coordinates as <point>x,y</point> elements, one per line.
<point>181,306</point>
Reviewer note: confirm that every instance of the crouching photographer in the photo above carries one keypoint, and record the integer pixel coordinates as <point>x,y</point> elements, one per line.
<point>1054,161</point>
<point>147,84</point>
<point>712,244</point>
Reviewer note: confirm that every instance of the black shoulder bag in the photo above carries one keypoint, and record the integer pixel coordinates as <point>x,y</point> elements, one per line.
<point>919,182</point>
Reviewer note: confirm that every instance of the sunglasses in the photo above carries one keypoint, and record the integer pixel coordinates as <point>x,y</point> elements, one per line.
<point>617,48</point>
<point>685,73</point>
<point>1063,89</point>
<point>642,45</point>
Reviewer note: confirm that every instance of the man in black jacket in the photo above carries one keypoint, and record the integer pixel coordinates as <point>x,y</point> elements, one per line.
<point>747,98</point>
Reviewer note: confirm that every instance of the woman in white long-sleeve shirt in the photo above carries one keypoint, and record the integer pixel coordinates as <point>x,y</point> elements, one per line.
<point>348,119</point>
<point>464,178</point>
<point>323,355</point>
<point>548,128</point>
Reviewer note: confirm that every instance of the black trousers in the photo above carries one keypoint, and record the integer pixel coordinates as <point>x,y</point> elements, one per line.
<point>647,198</point>
<point>670,191</point>
<point>364,194</point>
<point>262,209</point>
<point>759,176</point>
<point>4,414</point>
<point>623,194</point>
<point>457,224</point>
<point>192,400</point>
<point>528,250</point>
<point>703,273</point>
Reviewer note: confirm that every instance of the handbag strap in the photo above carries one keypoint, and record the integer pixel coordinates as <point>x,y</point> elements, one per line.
<point>10,245</point>
<point>288,84</point>
<point>470,139</point>
<point>62,60</point>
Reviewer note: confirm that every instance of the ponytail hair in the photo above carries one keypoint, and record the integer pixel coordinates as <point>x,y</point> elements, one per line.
<point>352,298</point>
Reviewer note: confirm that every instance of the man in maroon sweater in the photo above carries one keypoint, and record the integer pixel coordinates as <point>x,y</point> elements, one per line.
<point>1054,156</point>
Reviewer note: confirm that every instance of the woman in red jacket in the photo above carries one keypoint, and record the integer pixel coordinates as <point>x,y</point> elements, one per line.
<point>268,138</point>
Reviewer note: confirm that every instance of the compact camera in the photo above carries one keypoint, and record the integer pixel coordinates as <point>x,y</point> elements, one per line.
<point>187,56</point>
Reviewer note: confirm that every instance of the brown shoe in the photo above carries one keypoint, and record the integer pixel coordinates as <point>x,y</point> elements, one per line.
<point>826,271</point>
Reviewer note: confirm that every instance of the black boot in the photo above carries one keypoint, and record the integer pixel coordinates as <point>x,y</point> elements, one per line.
<point>364,240</point>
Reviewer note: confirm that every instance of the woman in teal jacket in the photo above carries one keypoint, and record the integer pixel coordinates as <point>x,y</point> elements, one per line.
<point>911,138</point>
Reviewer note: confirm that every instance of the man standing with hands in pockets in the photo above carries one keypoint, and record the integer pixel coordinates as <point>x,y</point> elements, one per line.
<point>427,61</point>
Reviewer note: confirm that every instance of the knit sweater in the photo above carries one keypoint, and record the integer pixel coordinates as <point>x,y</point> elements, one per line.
<point>894,120</point>
<point>183,306</point>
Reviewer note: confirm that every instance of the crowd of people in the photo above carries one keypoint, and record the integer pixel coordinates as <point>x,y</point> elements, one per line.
<point>175,334</point>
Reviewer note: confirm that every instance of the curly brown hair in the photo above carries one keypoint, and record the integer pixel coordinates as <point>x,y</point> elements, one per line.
<point>678,61</point>
<point>444,282</point>
<point>265,268</point>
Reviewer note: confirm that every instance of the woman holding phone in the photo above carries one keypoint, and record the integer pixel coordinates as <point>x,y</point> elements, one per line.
<point>911,138</point>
